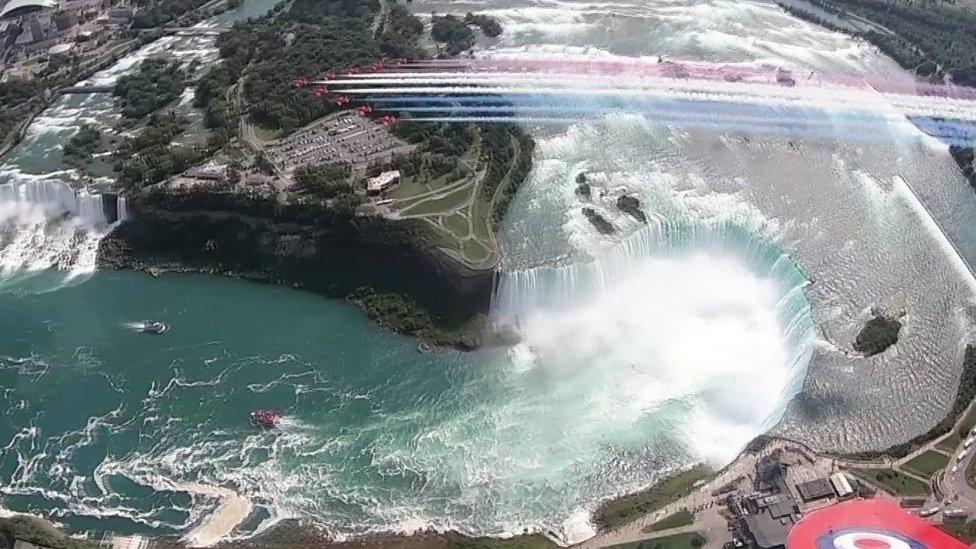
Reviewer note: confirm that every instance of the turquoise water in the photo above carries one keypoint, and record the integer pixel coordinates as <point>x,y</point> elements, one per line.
<point>100,418</point>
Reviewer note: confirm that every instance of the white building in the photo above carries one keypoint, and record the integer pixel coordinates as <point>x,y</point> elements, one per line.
<point>382,182</point>
<point>841,485</point>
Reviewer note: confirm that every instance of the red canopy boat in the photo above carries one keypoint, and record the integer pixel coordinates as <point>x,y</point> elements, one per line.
<point>266,418</point>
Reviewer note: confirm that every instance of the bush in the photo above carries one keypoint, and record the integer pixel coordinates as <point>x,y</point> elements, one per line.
<point>156,84</point>
<point>453,32</point>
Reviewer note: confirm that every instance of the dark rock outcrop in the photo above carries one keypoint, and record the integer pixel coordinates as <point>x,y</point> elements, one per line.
<point>304,245</point>
<point>598,221</point>
<point>631,206</point>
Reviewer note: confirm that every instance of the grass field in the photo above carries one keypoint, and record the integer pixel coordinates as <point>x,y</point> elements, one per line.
<point>457,224</point>
<point>518,542</point>
<point>927,463</point>
<point>628,508</point>
<point>447,203</point>
<point>892,481</point>
<point>681,518</point>
<point>677,541</point>
<point>955,438</point>
<point>950,443</point>
<point>965,532</point>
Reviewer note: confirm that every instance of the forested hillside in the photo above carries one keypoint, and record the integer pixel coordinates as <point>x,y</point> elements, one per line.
<point>935,38</point>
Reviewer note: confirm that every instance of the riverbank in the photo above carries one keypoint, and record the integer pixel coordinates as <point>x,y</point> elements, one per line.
<point>374,262</point>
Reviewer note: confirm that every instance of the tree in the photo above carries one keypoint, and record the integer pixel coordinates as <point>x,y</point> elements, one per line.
<point>325,181</point>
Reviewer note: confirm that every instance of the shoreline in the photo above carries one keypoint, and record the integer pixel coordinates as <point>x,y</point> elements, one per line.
<point>231,511</point>
<point>375,264</point>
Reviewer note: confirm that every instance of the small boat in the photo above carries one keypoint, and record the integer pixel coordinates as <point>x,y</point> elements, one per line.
<point>153,327</point>
<point>266,418</point>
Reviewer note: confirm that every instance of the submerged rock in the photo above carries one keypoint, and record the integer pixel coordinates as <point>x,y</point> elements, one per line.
<point>598,221</point>
<point>631,206</point>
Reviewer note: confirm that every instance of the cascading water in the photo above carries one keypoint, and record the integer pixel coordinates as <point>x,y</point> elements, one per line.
<point>50,216</point>
<point>679,311</point>
<point>47,224</point>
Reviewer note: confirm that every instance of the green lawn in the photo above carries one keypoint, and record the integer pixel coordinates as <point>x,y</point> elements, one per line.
<point>408,187</point>
<point>955,438</point>
<point>628,508</point>
<point>967,423</point>
<point>518,542</point>
<point>927,463</point>
<point>447,203</point>
<point>457,224</point>
<point>966,532</point>
<point>892,481</point>
<point>681,518</point>
<point>475,251</point>
<point>971,473</point>
<point>950,443</point>
<point>677,541</point>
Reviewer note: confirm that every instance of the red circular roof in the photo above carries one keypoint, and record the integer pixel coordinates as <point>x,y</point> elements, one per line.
<point>867,524</point>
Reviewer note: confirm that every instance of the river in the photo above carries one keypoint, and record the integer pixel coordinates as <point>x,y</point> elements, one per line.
<point>643,352</point>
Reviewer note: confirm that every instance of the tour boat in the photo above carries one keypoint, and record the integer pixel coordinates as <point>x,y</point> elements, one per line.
<point>266,418</point>
<point>153,327</point>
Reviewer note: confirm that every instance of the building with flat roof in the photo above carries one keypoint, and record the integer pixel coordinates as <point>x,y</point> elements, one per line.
<point>841,485</point>
<point>815,489</point>
<point>382,182</point>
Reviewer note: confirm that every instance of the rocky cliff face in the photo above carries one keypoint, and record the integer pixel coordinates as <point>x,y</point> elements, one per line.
<point>306,245</point>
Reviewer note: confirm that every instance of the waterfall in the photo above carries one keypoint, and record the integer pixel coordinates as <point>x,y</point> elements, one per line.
<point>707,310</point>
<point>47,224</point>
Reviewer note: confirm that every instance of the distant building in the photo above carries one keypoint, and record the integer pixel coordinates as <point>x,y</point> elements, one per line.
<point>841,485</point>
<point>815,489</point>
<point>954,516</point>
<point>17,8</point>
<point>382,182</point>
<point>210,171</point>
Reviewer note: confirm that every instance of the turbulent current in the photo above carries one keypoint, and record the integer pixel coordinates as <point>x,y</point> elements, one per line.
<point>730,312</point>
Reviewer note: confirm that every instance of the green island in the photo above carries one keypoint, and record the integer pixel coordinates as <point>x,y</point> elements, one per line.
<point>456,33</point>
<point>878,334</point>
<point>156,84</point>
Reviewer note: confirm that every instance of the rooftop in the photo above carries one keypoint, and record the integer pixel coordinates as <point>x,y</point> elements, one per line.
<point>13,8</point>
